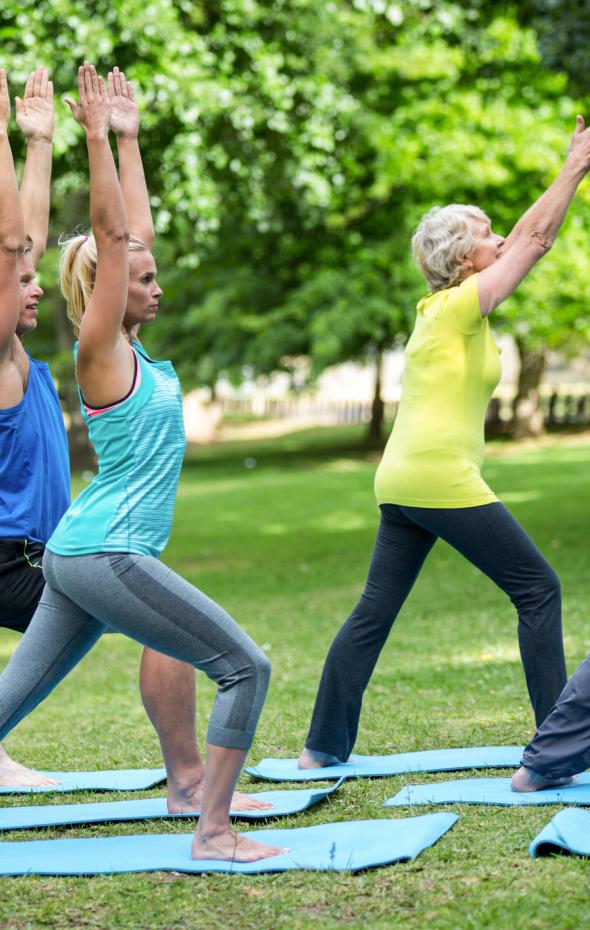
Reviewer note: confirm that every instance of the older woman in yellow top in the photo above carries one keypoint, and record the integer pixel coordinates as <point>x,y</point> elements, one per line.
<point>428,484</point>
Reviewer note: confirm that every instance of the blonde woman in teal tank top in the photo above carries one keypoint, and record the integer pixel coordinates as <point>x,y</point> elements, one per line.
<point>429,484</point>
<point>102,566</point>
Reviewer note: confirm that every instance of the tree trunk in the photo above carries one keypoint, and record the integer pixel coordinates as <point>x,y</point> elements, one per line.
<point>527,416</point>
<point>375,431</point>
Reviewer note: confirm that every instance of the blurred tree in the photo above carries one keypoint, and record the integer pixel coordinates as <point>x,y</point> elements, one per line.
<point>290,148</point>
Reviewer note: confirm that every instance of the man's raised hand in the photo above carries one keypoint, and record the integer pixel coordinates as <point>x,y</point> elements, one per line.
<point>34,113</point>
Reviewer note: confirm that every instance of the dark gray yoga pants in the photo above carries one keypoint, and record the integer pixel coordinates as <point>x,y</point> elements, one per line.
<point>139,596</point>
<point>493,541</point>
<point>561,746</point>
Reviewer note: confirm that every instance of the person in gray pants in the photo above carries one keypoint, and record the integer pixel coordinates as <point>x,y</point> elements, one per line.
<point>561,747</point>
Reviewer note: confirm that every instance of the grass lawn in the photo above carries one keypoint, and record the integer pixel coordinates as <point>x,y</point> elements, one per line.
<point>284,545</point>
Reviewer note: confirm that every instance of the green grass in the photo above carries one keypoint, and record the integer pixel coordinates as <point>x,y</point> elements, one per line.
<point>284,546</point>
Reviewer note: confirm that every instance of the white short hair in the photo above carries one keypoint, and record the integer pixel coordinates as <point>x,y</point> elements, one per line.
<point>442,241</point>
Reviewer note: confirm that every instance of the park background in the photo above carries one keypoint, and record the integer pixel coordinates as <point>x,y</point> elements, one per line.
<point>290,147</point>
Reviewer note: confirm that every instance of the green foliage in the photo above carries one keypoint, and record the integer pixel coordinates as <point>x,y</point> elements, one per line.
<point>290,148</point>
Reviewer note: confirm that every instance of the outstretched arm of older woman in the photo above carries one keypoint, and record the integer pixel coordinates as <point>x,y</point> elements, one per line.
<point>535,232</point>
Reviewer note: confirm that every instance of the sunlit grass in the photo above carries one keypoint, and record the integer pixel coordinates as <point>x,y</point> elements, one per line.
<point>285,547</point>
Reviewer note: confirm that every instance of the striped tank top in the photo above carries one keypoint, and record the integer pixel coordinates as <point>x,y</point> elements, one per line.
<point>140,445</point>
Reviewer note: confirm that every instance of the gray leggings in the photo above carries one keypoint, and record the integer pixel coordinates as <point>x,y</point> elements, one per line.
<point>139,596</point>
<point>561,746</point>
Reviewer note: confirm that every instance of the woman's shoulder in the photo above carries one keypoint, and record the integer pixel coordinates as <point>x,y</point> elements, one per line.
<point>458,304</point>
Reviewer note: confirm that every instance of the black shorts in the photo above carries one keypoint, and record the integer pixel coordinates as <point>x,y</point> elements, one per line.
<point>21,582</point>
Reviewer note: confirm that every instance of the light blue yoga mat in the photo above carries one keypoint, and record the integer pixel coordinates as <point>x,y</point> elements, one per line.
<point>430,760</point>
<point>114,780</point>
<point>57,815</point>
<point>489,791</point>
<point>346,846</point>
<point>569,831</point>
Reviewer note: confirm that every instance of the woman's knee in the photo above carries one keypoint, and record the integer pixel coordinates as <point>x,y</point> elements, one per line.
<point>262,668</point>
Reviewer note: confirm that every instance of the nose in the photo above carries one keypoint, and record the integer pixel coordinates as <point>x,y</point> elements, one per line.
<point>157,290</point>
<point>38,291</point>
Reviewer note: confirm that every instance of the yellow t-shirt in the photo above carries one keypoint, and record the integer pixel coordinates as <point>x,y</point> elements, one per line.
<point>436,448</point>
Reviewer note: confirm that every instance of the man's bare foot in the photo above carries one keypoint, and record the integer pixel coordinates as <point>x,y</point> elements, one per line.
<point>310,759</point>
<point>188,799</point>
<point>231,846</point>
<point>526,779</point>
<point>13,775</point>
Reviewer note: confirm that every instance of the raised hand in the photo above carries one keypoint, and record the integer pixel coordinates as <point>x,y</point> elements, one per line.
<point>124,110</point>
<point>93,110</point>
<point>34,113</point>
<point>579,149</point>
<point>4,102</point>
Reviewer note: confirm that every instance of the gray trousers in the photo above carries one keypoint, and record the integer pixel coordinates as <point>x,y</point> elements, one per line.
<point>142,598</point>
<point>493,541</point>
<point>561,746</point>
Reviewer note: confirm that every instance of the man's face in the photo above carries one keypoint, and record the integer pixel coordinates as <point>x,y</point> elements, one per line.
<point>30,293</point>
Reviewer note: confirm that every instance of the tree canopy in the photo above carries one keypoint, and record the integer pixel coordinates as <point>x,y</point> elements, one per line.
<point>291,146</point>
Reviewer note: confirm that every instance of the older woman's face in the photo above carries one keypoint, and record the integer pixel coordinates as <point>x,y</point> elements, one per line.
<point>487,248</point>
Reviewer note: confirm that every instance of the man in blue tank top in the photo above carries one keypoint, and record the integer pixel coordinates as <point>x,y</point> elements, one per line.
<point>34,464</point>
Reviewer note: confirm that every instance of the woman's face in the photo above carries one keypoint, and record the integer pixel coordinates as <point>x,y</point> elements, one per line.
<point>487,248</point>
<point>144,291</point>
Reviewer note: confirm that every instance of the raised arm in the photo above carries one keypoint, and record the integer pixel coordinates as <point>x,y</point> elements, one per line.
<point>12,229</point>
<point>125,125</point>
<point>35,118</point>
<point>535,232</point>
<point>103,362</point>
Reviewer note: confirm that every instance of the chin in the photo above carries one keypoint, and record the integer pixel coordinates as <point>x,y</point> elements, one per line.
<point>26,326</point>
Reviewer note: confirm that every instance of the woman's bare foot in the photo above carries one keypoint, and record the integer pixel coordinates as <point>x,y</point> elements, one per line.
<point>310,759</point>
<point>13,775</point>
<point>188,799</point>
<point>231,846</point>
<point>526,779</point>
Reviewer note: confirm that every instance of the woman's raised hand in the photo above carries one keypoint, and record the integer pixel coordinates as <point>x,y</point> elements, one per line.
<point>34,113</point>
<point>4,102</point>
<point>579,150</point>
<point>93,110</point>
<point>124,110</point>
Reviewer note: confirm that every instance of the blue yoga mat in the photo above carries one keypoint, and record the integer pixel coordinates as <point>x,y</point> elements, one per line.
<point>346,846</point>
<point>58,815</point>
<point>569,831</point>
<point>430,760</point>
<point>114,780</point>
<point>489,791</point>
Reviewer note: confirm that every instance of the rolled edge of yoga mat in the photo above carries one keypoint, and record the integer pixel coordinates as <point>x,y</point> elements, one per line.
<point>568,831</point>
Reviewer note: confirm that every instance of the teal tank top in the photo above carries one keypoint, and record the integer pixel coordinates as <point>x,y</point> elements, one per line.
<point>140,444</point>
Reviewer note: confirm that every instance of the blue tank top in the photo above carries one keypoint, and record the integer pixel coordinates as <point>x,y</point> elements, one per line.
<point>140,444</point>
<point>34,462</point>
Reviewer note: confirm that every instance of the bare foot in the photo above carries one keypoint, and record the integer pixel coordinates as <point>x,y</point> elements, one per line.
<point>310,759</point>
<point>231,846</point>
<point>188,800</point>
<point>13,775</point>
<point>248,802</point>
<point>526,779</point>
